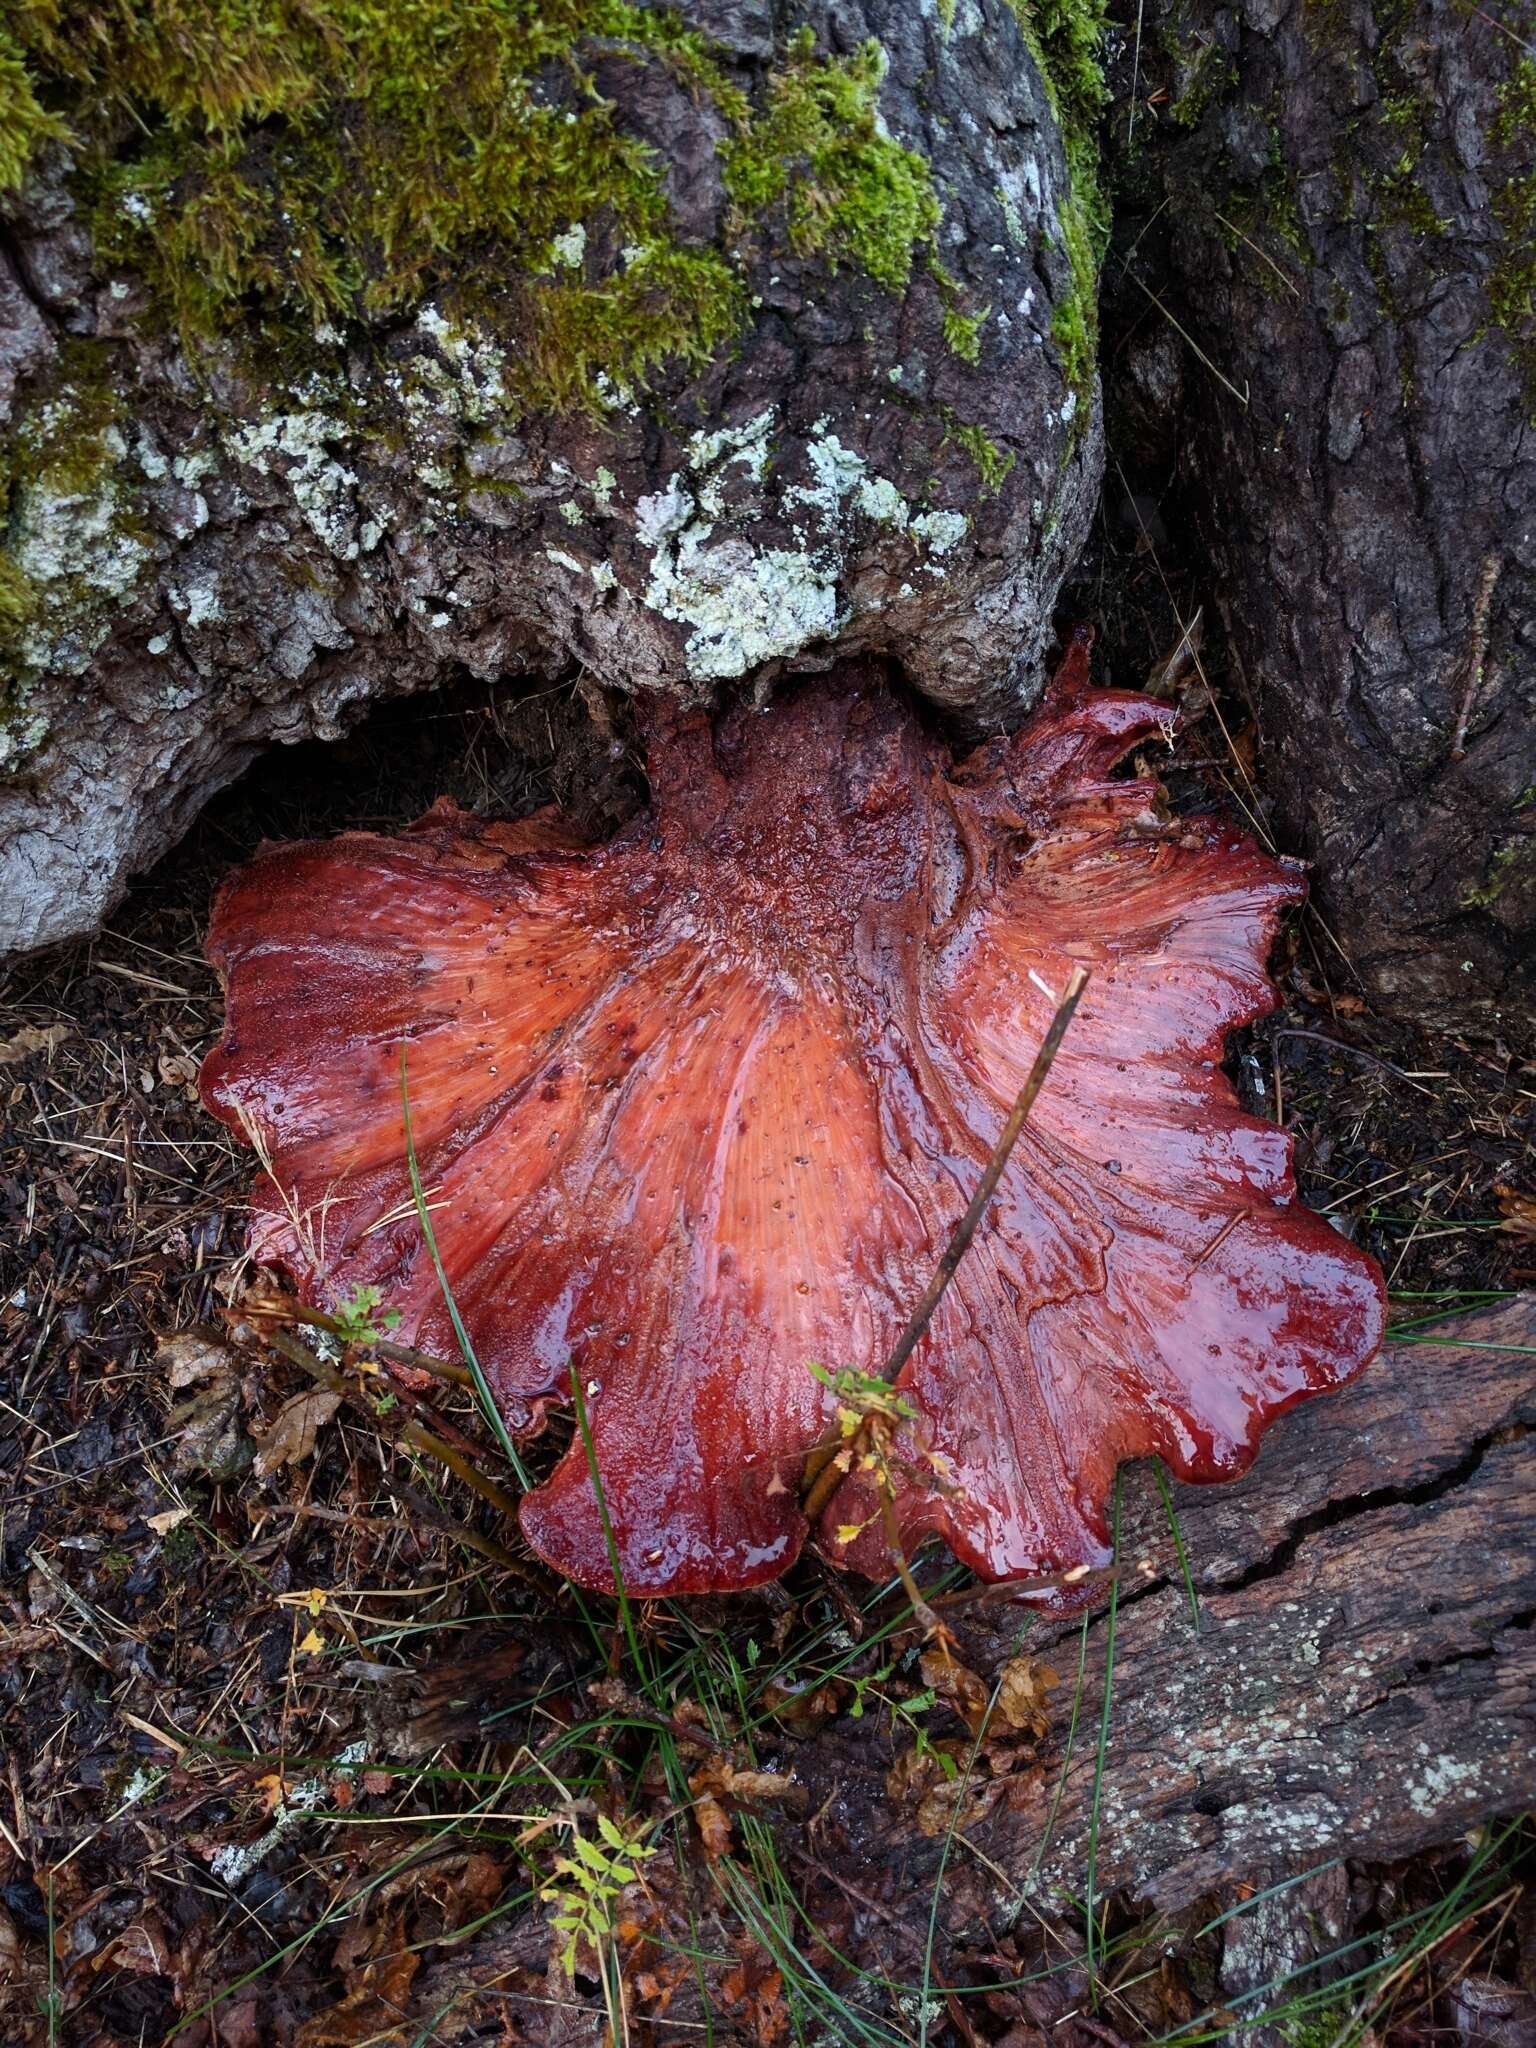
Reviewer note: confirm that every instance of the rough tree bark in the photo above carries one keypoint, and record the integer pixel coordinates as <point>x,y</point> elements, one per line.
<point>1335,201</point>
<point>804,359</point>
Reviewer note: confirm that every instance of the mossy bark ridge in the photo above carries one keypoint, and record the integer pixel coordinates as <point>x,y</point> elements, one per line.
<point>345,348</point>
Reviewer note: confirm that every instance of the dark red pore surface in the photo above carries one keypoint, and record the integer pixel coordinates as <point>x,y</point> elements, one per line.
<point>702,1104</point>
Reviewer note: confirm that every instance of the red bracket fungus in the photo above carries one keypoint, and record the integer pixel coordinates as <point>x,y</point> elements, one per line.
<point>701,1104</point>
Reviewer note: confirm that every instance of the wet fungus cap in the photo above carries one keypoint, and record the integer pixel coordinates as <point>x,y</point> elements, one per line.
<point>702,1104</point>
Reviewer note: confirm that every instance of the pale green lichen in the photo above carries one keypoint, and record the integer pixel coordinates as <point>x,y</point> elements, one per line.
<point>743,604</point>
<point>300,445</point>
<point>75,548</point>
<point>713,455</point>
<point>878,499</point>
<point>941,530</point>
<point>1013,219</point>
<point>569,248</point>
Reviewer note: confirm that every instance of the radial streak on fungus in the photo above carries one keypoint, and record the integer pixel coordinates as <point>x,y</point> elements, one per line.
<point>700,1105</point>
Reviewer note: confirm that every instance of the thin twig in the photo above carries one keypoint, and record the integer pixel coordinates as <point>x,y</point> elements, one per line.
<point>1240,396</point>
<point>1253,245</point>
<point>428,1444</point>
<point>826,1466</point>
<point>1096,1577</point>
<point>1505,30</point>
<point>1342,1045</point>
<point>1130,125</point>
<point>396,1354</point>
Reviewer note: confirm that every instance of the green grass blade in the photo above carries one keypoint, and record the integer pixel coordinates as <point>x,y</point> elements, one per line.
<point>1098,1771</point>
<point>482,1384</point>
<point>1178,1540</point>
<point>626,1613</point>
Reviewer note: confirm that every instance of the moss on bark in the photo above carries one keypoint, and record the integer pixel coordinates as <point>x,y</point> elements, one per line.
<point>1065,37</point>
<point>286,176</point>
<point>272,167</point>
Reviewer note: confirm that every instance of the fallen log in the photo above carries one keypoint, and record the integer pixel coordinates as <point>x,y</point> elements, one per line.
<point>1362,1680</point>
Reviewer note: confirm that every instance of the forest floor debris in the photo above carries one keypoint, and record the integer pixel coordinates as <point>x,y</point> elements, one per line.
<point>291,1756</point>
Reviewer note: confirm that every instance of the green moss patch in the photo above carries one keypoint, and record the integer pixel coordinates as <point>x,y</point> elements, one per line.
<point>295,163</point>
<point>1065,38</point>
<point>849,190</point>
<point>24,123</point>
<point>277,167</point>
<point>992,465</point>
<point>1512,860</point>
<point>1512,281</point>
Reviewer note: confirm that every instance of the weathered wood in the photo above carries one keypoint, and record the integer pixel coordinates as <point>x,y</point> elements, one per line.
<point>1363,1681</point>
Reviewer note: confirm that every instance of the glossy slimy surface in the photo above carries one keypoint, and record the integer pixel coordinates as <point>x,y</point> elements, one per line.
<point>703,1103</point>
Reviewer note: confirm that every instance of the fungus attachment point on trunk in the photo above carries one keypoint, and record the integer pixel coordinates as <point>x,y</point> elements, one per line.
<point>701,1105</point>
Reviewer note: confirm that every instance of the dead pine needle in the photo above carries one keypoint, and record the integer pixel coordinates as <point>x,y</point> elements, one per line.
<point>1477,653</point>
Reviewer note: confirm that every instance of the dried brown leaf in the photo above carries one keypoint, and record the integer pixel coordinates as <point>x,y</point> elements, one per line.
<point>958,1686</point>
<point>804,1710</point>
<point>954,1803</point>
<point>1518,1210</point>
<point>374,2009</point>
<point>208,1432</point>
<point>178,1070</point>
<point>192,1357</point>
<point>758,1990</point>
<point>714,1826</point>
<point>720,1781</point>
<point>1021,1694</point>
<point>29,1039</point>
<point>292,1436</point>
<point>142,1946</point>
<point>933,1777</point>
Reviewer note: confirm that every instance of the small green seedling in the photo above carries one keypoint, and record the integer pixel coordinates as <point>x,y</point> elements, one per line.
<point>358,1320</point>
<point>583,1886</point>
